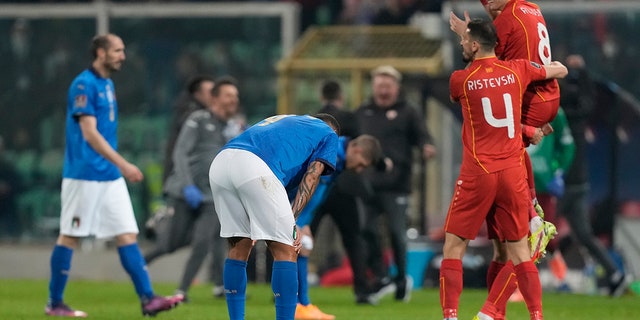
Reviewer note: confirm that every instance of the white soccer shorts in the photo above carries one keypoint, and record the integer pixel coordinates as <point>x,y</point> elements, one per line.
<point>250,200</point>
<point>100,208</point>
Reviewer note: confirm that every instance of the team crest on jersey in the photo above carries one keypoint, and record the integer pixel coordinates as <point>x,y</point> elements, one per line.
<point>392,114</point>
<point>75,222</point>
<point>535,64</point>
<point>80,101</point>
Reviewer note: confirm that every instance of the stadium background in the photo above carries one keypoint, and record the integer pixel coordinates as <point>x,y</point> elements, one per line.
<point>43,45</point>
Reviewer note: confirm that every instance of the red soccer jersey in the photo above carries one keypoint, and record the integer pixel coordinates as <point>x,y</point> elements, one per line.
<point>490,92</point>
<point>522,34</point>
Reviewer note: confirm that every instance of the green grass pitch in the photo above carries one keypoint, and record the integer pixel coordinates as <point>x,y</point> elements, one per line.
<point>25,299</point>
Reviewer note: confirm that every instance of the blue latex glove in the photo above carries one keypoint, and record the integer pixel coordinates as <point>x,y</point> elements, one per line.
<point>192,195</point>
<point>556,186</point>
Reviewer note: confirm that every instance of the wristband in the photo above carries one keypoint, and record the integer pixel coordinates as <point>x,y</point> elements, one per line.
<point>528,131</point>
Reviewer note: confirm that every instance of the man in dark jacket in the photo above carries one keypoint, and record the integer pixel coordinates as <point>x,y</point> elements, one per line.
<point>341,200</point>
<point>399,127</point>
<point>577,99</point>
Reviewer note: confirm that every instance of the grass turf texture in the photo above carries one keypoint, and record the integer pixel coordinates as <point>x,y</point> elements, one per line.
<point>25,299</point>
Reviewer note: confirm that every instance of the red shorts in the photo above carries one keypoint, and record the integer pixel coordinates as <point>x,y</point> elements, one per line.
<point>502,198</point>
<point>537,114</point>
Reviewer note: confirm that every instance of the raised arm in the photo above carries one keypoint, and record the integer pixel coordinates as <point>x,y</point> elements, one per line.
<point>458,25</point>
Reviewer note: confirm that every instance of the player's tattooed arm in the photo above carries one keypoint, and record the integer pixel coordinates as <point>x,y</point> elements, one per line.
<point>307,187</point>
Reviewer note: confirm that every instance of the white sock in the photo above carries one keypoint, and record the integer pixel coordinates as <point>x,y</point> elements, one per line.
<point>483,316</point>
<point>535,223</point>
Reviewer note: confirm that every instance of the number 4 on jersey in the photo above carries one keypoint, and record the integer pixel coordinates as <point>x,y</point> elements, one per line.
<point>507,121</point>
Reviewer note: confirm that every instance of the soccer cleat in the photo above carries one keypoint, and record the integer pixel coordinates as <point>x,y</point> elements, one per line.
<point>539,239</point>
<point>181,294</point>
<point>311,312</point>
<point>158,304</point>
<point>218,291</point>
<point>564,288</point>
<point>404,289</point>
<point>176,299</point>
<point>618,283</point>
<point>367,298</point>
<point>383,288</point>
<point>482,316</point>
<point>63,310</point>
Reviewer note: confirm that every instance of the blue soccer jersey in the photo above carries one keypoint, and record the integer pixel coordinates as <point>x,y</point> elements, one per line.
<point>323,188</point>
<point>90,94</point>
<point>288,144</point>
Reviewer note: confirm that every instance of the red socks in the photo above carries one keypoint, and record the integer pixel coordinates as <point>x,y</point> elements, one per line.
<point>492,272</point>
<point>450,286</point>
<point>503,286</point>
<point>529,284</point>
<point>525,276</point>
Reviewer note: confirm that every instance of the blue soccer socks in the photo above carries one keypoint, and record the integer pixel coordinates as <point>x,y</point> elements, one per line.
<point>303,283</point>
<point>133,262</point>
<point>60,264</point>
<point>235,287</point>
<point>284,282</point>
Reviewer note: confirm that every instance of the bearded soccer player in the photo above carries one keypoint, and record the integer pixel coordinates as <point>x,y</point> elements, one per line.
<point>492,184</point>
<point>94,195</point>
<point>522,34</point>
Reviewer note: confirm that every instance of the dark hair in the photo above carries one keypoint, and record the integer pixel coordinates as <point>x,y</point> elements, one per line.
<point>483,32</point>
<point>223,81</point>
<point>193,85</point>
<point>331,90</point>
<point>330,120</point>
<point>100,41</point>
